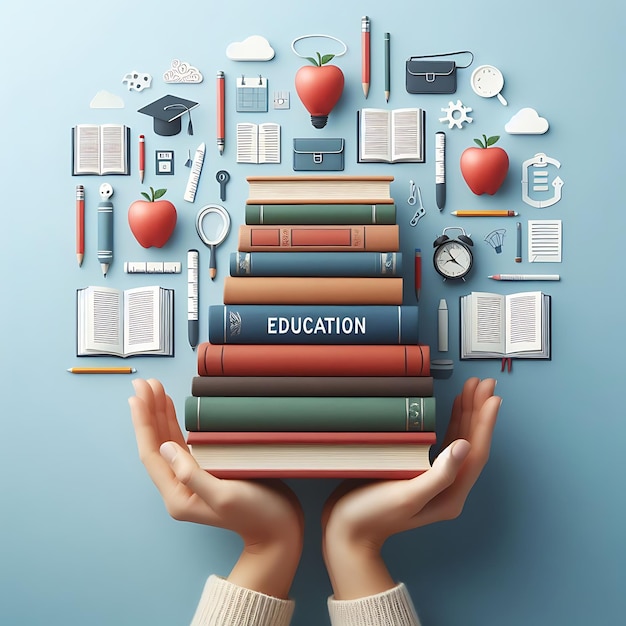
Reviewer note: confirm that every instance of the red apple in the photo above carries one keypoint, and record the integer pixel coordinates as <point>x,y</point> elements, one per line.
<point>152,221</point>
<point>319,87</point>
<point>484,169</point>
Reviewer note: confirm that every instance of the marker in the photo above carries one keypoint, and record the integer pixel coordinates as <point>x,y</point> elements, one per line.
<point>365,54</point>
<point>418,273</point>
<point>442,326</point>
<point>387,68</point>
<point>101,370</point>
<point>524,277</point>
<point>480,213</point>
<point>105,228</point>
<point>518,256</point>
<point>221,130</point>
<point>142,157</point>
<point>80,224</point>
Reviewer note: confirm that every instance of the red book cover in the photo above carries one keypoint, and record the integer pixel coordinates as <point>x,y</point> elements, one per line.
<point>313,360</point>
<point>312,454</point>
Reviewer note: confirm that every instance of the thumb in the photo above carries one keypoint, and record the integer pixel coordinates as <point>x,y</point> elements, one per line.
<point>180,460</point>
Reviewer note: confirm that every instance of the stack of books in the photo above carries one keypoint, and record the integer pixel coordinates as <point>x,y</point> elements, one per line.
<point>313,366</point>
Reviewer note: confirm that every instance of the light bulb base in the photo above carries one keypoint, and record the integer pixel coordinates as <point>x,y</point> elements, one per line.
<point>319,121</point>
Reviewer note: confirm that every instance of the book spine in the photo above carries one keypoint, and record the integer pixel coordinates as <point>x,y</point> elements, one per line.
<point>319,238</point>
<point>320,214</point>
<point>312,290</point>
<point>345,474</point>
<point>312,386</point>
<point>355,264</point>
<point>303,324</point>
<point>309,413</point>
<point>313,360</point>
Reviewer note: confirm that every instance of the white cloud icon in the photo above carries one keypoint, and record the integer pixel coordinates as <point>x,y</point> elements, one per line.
<point>527,122</point>
<point>254,48</point>
<point>106,100</point>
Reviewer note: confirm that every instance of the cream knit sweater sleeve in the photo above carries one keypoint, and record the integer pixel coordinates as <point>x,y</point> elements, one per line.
<point>391,608</point>
<point>224,604</point>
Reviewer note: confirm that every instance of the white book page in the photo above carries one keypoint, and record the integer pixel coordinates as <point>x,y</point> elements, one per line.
<point>113,149</point>
<point>544,241</point>
<point>488,321</point>
<point>269,143</point>
<point>87,149</point>
<point>375,139</point>
<point>247,143</point>
<point>406,134</point>
<point>523,320</point>
<point>103,320</point>
<point>142,308</point>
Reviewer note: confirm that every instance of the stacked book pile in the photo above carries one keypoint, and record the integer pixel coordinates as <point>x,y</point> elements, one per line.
<point>313,366</point>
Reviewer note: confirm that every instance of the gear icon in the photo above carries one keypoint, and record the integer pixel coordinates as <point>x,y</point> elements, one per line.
<point>456,114</point>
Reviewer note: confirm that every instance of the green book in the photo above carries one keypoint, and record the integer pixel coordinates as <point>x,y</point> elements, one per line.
<point>310,413</point>
<point>320,214</point>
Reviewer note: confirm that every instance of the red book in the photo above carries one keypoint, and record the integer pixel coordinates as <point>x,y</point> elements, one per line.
<point>320,238</point>
<point>312,454</point>
<point>313,360</point>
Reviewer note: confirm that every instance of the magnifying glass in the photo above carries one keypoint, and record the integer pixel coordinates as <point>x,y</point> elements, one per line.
<point>487,81</point>
<point>212,226</point>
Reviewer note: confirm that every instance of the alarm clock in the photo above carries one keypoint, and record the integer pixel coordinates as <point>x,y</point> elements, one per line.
<point>453,258</point>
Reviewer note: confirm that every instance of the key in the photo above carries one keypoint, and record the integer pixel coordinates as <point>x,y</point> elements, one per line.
<point>222,178</point>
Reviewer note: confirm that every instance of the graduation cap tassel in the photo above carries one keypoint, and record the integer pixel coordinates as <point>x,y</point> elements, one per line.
<point>190,125</point>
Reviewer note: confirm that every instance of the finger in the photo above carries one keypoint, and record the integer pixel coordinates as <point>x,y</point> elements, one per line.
<point>449,503</point>
<point>159,399</point>
<point>461,412</point>
<point>173,427</point>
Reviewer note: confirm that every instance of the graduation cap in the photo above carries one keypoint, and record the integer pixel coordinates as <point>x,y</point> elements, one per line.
<point>167,113</point>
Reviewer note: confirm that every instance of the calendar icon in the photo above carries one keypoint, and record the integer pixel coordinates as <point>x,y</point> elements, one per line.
<point>252,94</point>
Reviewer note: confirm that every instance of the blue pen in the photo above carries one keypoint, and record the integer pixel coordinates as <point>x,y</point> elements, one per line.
<point>105,228</point>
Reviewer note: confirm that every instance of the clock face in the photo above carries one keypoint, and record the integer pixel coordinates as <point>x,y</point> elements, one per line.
<point>452,259</point>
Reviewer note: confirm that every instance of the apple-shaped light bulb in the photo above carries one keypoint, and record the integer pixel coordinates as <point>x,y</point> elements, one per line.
<point>152,221</point>
<point>319,87</point>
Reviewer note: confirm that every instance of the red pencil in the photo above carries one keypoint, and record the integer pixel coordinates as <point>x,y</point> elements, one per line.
<point>80,224</point>
<point>365,54</point>
<point>221,131</point>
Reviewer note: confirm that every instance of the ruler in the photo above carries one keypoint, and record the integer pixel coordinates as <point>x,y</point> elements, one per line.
<point>194,175</point>
<point>192,297</point>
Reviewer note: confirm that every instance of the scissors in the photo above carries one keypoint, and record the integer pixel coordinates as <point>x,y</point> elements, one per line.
<point>222,232</point>
<point>414,195</point>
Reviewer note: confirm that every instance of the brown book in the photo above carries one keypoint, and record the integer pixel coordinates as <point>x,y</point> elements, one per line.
<point>312,386</point>
<point>331,290</point>
<point>307,189</point>
<point>319,238</point>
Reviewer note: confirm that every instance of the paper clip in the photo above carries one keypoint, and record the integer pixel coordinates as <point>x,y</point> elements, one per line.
<point>415,196</point>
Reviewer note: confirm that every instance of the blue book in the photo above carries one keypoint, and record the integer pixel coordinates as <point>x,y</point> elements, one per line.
<point>350,264</point>
<point>312,324</point>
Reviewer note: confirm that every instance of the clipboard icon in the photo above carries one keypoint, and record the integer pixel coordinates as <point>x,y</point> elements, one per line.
<point>252,94</point>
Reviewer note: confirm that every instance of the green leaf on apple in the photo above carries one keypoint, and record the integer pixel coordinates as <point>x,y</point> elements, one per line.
<point>321,60</point>
<point>486,141</point>
<point>154,194</point>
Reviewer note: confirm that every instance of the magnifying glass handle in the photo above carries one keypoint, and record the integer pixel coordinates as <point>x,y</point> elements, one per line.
<point>502,100</point>
<point>212,266</point>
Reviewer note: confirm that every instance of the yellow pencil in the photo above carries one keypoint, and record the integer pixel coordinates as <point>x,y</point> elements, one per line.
<point>101,370</point>
<point>483,213</point>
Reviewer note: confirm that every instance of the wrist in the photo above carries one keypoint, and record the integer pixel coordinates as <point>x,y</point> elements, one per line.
<point>355,566</point>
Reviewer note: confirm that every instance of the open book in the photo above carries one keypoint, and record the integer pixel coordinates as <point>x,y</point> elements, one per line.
<point>137,321</point>
<point>258,143</point>
<point>98,150</point>
<point>495,326</point>
<point>391,136</point>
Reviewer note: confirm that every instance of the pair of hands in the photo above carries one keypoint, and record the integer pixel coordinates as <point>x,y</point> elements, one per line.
<point>357,518</point>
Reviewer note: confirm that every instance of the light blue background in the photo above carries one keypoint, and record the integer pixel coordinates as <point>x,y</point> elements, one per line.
<point>85,538</point>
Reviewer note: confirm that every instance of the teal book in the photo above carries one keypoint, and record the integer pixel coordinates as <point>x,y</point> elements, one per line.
<point>348,264</point>
<point>313,324</point>
<point>309,413</point>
